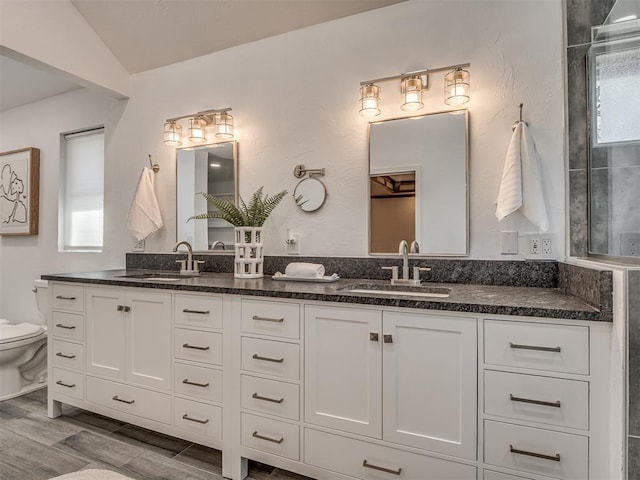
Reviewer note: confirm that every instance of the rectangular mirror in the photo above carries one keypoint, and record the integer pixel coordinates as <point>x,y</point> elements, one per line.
<point>418,188</point>
<point>207,168</point>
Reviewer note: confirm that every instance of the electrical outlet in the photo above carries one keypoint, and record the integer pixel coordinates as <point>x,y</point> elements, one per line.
<point>546,246</point>
<point>630,244</point>
<point>293,244</point>
<point>534,246</point>
<point>509,243</point>
<point>138,245</point>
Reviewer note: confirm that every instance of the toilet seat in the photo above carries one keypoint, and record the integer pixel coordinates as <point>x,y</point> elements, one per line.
<point>15,332</point>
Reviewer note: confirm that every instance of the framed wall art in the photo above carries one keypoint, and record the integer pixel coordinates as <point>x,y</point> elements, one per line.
<point>19,191</point>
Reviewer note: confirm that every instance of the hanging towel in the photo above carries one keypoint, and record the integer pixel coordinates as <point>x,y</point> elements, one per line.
<point>144,215</point>
<point>521,185</point>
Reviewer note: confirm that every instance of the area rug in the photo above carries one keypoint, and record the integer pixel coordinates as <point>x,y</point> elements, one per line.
<point>91,474</point>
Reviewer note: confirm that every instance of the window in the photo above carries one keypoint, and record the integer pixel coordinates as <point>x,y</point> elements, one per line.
<point>81,205</point>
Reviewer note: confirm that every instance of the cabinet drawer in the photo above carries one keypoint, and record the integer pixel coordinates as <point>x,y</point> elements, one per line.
<point>67,354</point>
<point>201,382</point>
<point>271,318</point>
<point>68,325</point>
<point>271,436</point>
<point>537,399</point>
<point>132,400</point>
<point>198,311</point>
<point>198,346</point>
<point>271,357</point>
<point>68,383</point>
<point>270,396</point>
<point>68,297</point>
<point>555,348</point>
<point>365,460</point>
<point>491,475</point>
<point>534,450</point>
<point>198,418</point>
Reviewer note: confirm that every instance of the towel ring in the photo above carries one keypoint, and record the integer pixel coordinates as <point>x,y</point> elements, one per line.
<point>515,124</point>
<point>154,167</point>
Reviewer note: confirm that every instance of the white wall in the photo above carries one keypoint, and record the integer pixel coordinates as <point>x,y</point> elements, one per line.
<point>295,100</point>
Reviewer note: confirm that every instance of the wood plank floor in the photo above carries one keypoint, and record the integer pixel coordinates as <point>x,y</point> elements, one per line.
<point>35,447</point>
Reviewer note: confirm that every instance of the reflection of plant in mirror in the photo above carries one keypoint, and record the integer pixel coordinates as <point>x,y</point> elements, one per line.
<point>300,200</point>
<point>253,214</point>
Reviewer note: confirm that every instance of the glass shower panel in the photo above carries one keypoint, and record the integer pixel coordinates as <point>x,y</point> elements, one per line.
<point>614,171</point>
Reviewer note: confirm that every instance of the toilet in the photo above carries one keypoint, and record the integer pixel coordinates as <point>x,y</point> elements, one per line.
<point>23,350</point>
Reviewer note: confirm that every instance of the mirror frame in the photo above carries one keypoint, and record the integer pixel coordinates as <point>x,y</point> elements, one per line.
<point>236,194</point>
<point>466,179</point>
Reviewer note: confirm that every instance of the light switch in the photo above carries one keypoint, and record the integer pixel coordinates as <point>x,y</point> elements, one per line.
<point>509,243</point>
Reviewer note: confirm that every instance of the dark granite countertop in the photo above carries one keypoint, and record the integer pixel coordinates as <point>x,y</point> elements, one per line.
<point>471,298</point>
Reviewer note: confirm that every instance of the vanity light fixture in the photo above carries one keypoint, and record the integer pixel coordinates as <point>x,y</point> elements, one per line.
<point>221,120</point>
<point>412,86</point>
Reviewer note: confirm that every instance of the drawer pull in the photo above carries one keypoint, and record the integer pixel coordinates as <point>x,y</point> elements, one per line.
<point>128,402</point>
<point>61,383</point>
<point>373,336</point>
<point>197,420</point>
<point>553,458</point>
<point>535,347</point>
<point>267,399</point>
<point>535,402</point>
<point>188,382</point>
<point>123,308</point>
<point>267,359</point>
<point>267,319</point>
<point>381,469</point>
<point>386,338</point>
<point>60,297</point>
<point>197,312</point>
<point>195,347</point>
<point>255,434</point>
<point>60,354</point>
<point>68,327</point>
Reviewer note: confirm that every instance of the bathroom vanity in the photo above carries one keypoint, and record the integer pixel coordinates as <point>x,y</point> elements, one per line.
<point>490,382</point>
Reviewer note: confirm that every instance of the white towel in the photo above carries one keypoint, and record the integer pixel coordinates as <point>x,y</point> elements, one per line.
<point>521,185</point>
<point>144,215</point>
<point>304,270</point>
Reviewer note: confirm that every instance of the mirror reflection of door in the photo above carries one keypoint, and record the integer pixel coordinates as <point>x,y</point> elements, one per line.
<point>393,210</point>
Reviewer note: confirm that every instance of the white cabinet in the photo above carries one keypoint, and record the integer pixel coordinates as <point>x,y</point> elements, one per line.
<point>129,336</point>
<point>406,378</point>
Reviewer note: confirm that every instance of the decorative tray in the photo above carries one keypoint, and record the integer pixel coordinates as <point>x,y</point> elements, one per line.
<point>325,279</point>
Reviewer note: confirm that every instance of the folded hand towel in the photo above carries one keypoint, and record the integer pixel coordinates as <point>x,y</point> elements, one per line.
<point>144,215</point>
<point>521,185</point>
<point>304,270</point>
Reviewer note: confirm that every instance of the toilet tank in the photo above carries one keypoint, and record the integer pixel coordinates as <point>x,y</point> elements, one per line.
<point>41,291</point>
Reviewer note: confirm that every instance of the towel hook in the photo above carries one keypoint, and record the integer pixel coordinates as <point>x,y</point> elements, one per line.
<point>154,167</point>
<point>515,124</point>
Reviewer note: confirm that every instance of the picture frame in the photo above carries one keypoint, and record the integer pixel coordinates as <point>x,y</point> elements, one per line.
<point>19,191</point>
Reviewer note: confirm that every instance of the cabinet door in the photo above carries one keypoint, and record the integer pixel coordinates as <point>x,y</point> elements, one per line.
<point>106,332</point>
<point>342,369</point>
<point>430,382</point>
<point>149,340</point>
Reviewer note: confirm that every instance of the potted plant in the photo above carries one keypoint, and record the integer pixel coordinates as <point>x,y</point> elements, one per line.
<point>248,219</point>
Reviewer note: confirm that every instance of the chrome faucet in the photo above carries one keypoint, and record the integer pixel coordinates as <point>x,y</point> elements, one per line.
<point>188,266</point>
<point>219,242</point>
<point>403,251</point>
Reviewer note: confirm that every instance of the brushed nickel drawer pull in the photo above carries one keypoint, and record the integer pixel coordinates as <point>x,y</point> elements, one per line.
<point>255,434</point>
<point>535,347</point>
<point>187,417</point>
<point>188,382</point>
<point>195,347</point>
<point>381,469</point>
<point>267,359</point>
<point>60,297</point>
<point>387,338</point>
<point>267,399</point>
<point>267,319</point>
<point>535,402</point>
<point>61,383</point>
<point>373,336</point>
<point>68,327</point>
<point>553,458</point>
<point>128,402</point>
<point>123,308</point>
<point>198,312</point>
<point>60,354</point>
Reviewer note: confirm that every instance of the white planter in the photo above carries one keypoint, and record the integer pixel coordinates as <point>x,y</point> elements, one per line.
<point>249,258</point>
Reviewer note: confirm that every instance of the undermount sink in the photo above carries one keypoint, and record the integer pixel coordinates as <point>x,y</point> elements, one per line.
<point>400,290</point>
<point>161,277</point>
